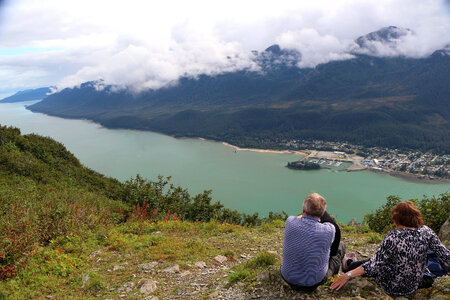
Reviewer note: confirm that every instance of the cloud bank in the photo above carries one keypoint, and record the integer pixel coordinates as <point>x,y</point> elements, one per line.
<point>146,44</point>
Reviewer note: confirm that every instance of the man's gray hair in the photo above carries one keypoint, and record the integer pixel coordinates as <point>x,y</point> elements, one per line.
<point>314,205</point>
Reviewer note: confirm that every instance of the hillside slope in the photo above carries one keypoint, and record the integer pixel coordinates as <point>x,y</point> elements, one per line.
<point>383,101</point>
<point>182,260</point>
<point>27,95</point>
<point>69,232</point>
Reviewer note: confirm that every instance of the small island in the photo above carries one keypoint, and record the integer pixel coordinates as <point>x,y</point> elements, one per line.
<point>303,165</point>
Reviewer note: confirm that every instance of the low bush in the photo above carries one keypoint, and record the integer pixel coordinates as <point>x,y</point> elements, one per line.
<point>435,211</point>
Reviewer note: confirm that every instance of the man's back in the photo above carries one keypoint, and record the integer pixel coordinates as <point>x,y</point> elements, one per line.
<point>306,250</point>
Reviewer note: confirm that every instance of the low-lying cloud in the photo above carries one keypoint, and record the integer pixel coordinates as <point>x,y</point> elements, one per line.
<point>144,45</point>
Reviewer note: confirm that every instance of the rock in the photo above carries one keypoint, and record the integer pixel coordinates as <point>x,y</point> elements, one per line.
<point>438,297</point>
<point>150,298</point>
<point>442,285</point>
<point>444,232</point>
<point>49,297</point>
<point>94,254</point>
<point>117,268</point>
<point>185,273</point>
<point>358,284</point>
<point>352,223</point>
<point>214,295</point>
<point>127,287</point>
<point>148,266</point>
<point>220,259</point>
<point>264,276</point>
<point>272,252</point>
<point>200,264</point>
<point>172,269</point>
<point>148,287</point>
<point>85,279</point>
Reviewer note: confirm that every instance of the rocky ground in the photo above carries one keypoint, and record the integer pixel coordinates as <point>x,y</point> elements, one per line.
<point>182,260</point>
<point>209,278</point>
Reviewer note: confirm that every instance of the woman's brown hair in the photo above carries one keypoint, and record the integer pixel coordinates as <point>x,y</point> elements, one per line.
<point>406,213</point>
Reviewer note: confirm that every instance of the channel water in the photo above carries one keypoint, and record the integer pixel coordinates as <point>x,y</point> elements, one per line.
<point>243,180</point>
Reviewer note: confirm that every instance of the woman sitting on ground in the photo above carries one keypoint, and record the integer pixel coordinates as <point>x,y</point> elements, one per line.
<point>399,263</point>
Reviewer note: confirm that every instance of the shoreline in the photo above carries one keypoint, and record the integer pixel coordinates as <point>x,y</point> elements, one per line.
<point>263,150</point>
<point>355,163</point>
<point>354,167</point>
<point>411,177</point>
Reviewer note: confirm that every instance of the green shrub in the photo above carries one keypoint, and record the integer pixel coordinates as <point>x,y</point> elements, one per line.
<point>267,227</point>
<point>279,223</point>
<point>381,220</point>
<point>374,238</point>
<point>349,228</point>
<point>435,212</point>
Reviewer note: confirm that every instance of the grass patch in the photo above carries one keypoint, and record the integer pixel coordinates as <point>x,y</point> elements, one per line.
<point>374,238</point>
<point>248,271</point>
<point>95,283</point>
<point>240,275</point>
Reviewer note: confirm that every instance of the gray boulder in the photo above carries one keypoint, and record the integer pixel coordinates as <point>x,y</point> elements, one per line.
<point>444,233</point>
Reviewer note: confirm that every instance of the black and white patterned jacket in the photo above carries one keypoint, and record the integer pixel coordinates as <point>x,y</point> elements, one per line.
<point>399,263</point>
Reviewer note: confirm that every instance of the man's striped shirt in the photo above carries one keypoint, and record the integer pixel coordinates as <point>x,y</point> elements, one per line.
<point>306,250</point>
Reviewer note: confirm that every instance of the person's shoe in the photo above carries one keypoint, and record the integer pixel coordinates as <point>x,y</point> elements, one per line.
<point>351,256</point>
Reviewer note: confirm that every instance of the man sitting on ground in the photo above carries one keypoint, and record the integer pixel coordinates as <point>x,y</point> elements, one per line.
<point>307,246</point>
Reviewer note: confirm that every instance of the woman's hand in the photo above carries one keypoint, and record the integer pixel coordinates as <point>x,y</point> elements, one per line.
<point>343,279</point>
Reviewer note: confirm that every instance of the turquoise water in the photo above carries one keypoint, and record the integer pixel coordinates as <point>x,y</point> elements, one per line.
<point>246,181</point>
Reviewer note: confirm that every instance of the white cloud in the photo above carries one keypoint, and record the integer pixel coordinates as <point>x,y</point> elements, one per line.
<point>315,48</point>
<point>146,44</point>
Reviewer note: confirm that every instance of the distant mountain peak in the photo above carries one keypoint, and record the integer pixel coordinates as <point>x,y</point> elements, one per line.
<point>275,49</point>
<point>29,95</point>
<point>388,34</point>
<point>274,57</point>
<point>383,41</point>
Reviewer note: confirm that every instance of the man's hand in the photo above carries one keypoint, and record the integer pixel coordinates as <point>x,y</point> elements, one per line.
<point>343,279</point>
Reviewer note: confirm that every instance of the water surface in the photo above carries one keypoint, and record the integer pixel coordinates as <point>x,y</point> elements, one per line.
<point>246,181</point>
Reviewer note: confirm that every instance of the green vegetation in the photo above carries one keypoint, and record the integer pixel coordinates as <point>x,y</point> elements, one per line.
<point>303,165</point>
<point>46,194</point>
<point>435,211</point>
<point>54,213</point>
<point>393,102</point>
<point>248,271</point>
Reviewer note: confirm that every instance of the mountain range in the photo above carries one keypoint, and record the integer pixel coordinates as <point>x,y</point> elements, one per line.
<point>28,95</point>
<point>392,101</point>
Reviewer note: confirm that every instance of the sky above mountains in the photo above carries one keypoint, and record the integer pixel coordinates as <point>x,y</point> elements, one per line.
<point>146,44</point>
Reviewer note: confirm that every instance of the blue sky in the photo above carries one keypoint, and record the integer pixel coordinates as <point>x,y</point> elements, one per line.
<point>25,50</point>
<point>147,44</point>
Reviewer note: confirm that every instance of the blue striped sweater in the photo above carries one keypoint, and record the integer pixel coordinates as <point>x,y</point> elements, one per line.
<point>306,250</point>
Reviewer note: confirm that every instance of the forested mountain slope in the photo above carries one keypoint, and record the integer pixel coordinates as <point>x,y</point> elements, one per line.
<point>27,95</point>
<point>384,101</point>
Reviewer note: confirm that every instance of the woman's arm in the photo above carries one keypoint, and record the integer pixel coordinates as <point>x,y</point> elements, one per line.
<point>344,278</point>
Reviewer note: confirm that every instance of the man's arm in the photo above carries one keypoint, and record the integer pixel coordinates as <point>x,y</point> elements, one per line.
<point>337,236</point>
